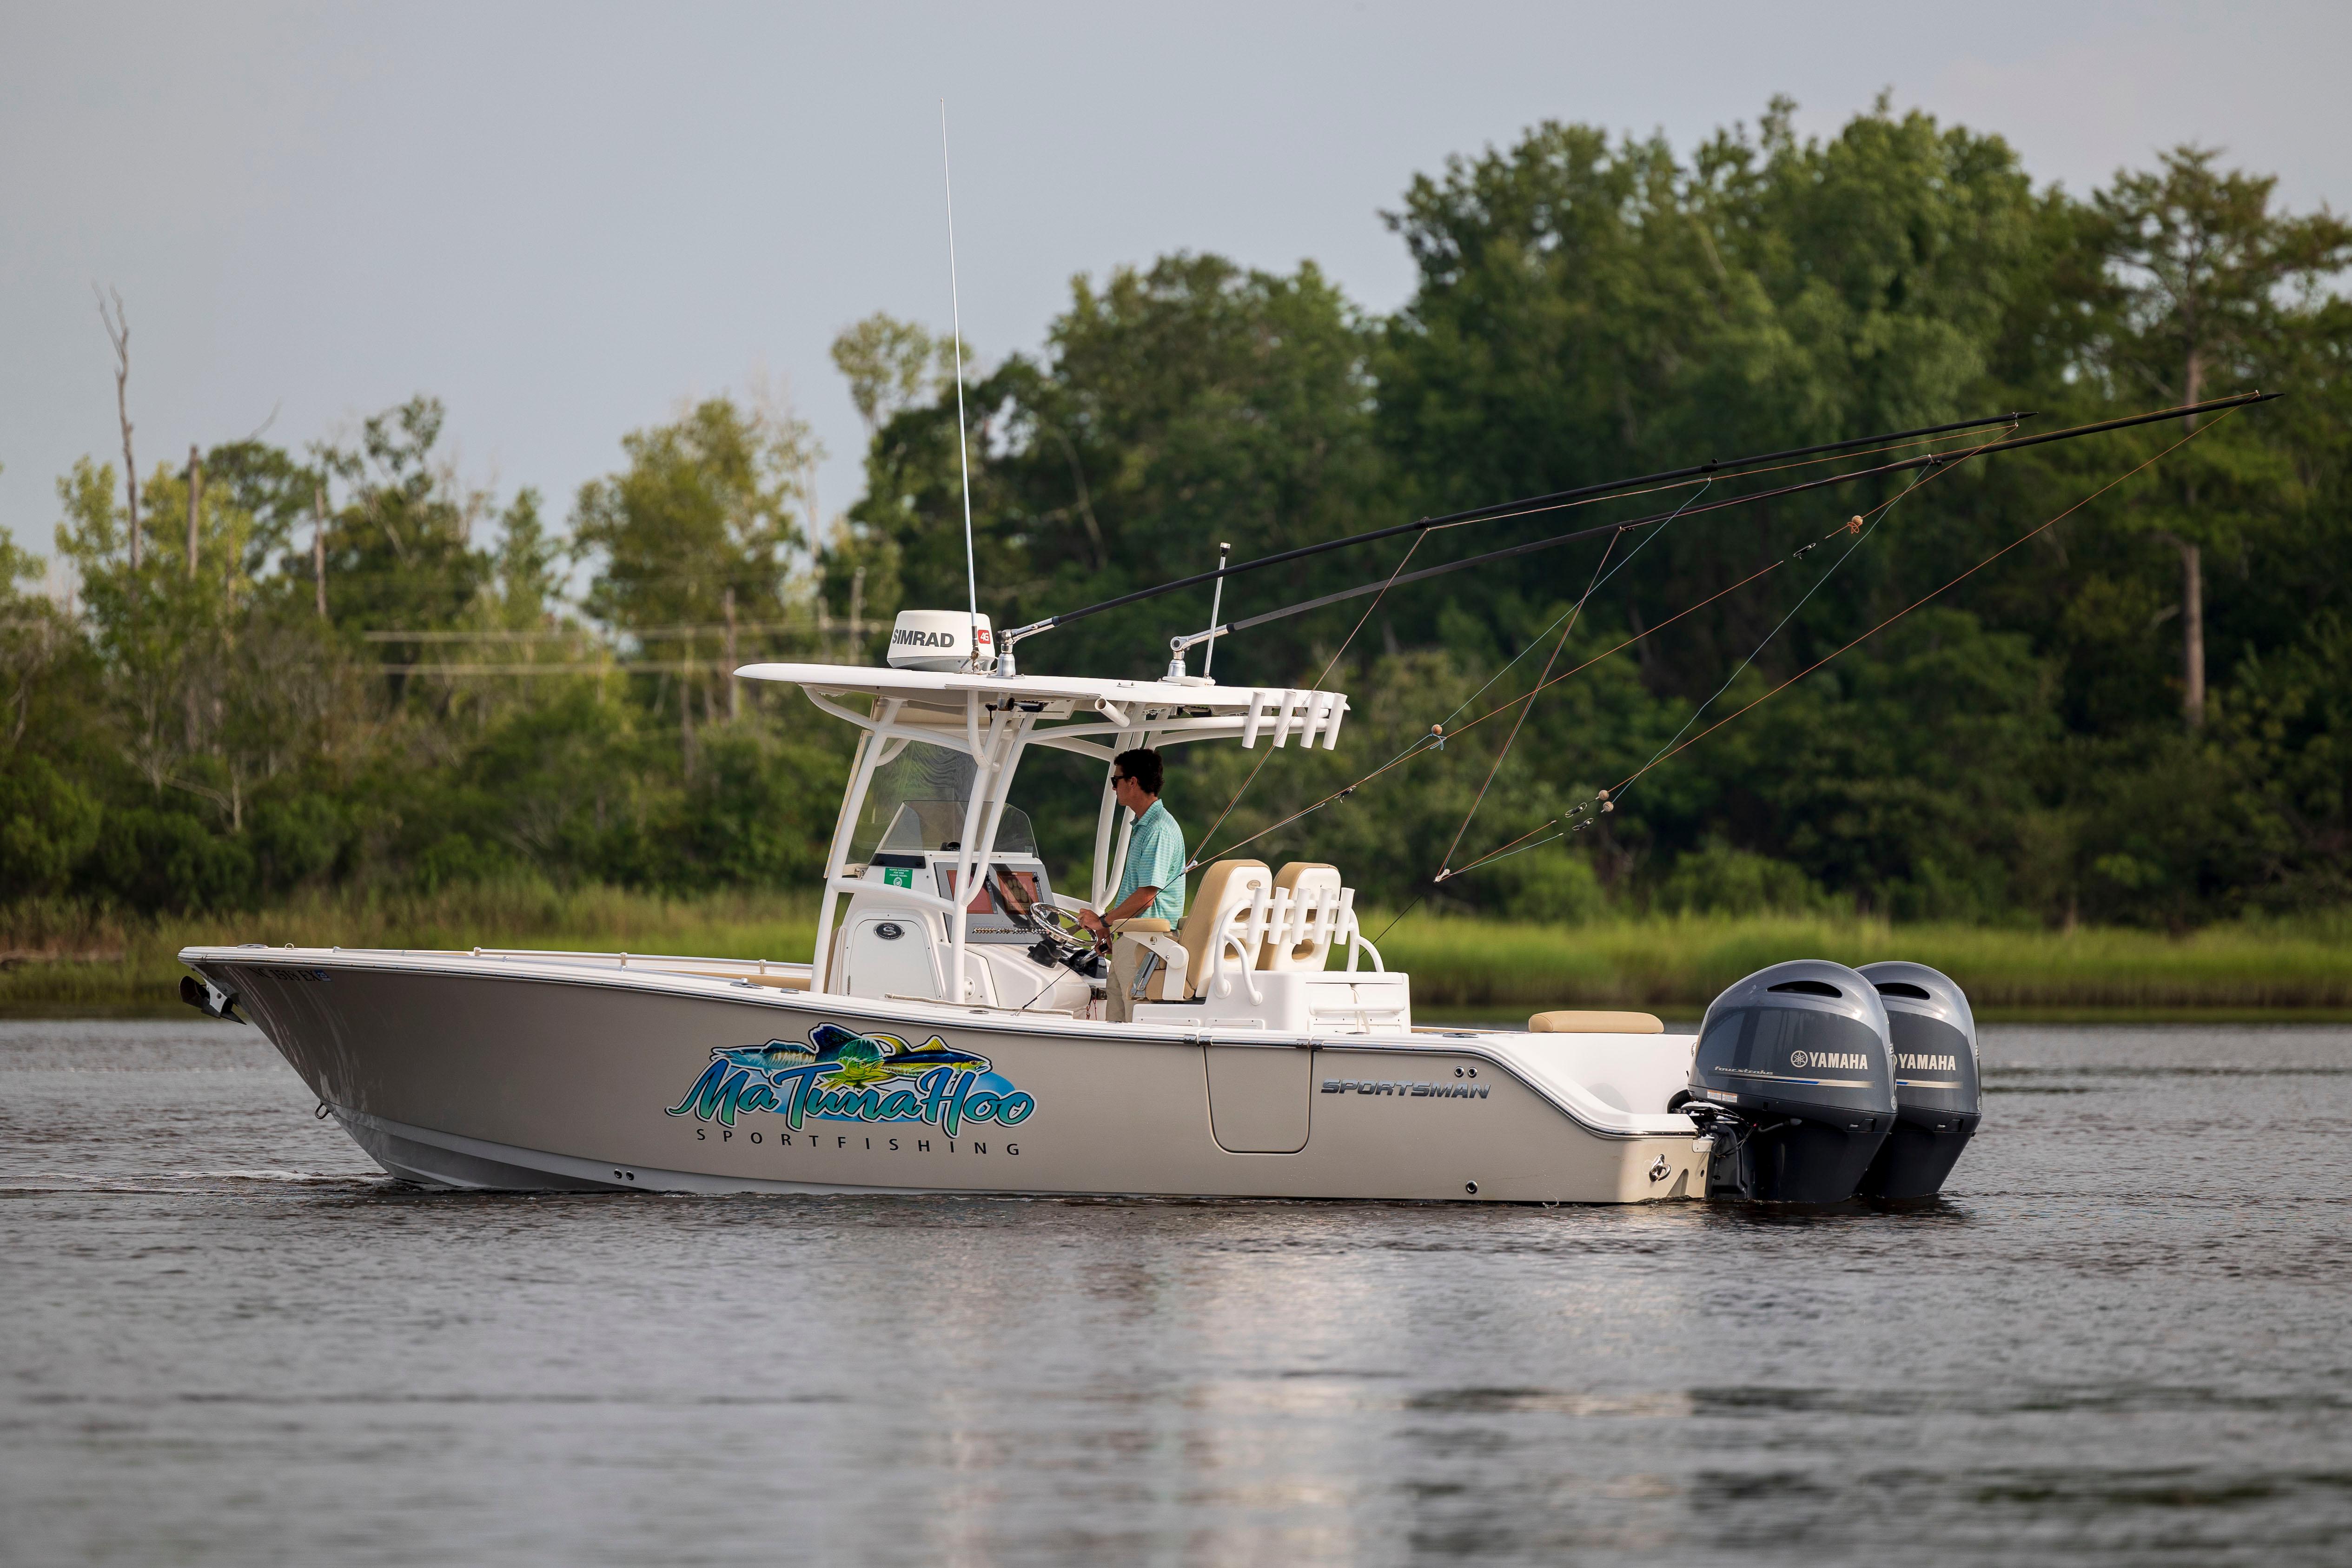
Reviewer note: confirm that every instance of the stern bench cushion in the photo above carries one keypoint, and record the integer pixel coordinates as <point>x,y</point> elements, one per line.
<point>1595,1023</point>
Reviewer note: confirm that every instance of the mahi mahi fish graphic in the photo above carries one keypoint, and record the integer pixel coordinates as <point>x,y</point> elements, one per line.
<point>855,1059</point>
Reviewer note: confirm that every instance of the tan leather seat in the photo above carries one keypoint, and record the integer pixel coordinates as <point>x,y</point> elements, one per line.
<point>1314,889</point>
<point>1595,1023</point>
<point>1226,886</point>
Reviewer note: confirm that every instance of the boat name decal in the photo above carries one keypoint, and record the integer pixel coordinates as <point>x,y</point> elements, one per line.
<point>1417,1091</point>
<point>842,1075</point>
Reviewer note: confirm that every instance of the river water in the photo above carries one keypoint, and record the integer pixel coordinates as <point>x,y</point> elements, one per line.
<point>2121,1338</point>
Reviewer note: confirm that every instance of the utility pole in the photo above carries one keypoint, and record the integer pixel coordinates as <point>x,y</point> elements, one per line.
<point>318,543</point>
<point>195,500</point>
<point>2193,573</point>
<point>734,686</point>
<point>686,709</point>
<point>857,613</point>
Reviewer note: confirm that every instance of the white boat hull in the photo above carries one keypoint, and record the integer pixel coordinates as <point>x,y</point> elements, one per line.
<point>511,1072</point>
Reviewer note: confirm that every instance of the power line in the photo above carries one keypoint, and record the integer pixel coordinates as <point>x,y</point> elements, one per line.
<point>606,668</point>
<point>854,628</point>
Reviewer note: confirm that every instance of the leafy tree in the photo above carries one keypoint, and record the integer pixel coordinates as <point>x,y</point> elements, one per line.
<point>49,822</point>
<point>1177,407</point>
<point>2204,279</point>
<point>529,587</point>
<point>1586,307</point>
<point>697,532</point>
<point>400,551</point>
<point>891,365</point>
<point>1588,310</point>
<point>268,486</point>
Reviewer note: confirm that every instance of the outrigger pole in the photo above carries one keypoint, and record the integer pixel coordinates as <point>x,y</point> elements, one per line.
<point>1180,644</point>
<point>1714,467</point>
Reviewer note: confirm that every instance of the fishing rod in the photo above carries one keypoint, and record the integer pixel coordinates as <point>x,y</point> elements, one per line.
<point>1607,799</point>
<point>1712,469</point>
<point>1604,800</point>
<point>1178,647</point>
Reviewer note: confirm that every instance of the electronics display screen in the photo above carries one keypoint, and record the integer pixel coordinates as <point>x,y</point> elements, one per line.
<point>1005,893</point>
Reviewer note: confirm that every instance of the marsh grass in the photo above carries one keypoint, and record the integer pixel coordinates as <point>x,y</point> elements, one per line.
<point>1678,963</point>
<point>65,956</point>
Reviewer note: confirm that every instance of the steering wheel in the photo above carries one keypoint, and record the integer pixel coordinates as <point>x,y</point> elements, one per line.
<point>1061,928</point>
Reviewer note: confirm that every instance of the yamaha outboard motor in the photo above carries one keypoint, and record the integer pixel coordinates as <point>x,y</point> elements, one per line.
<point>1794,1078</point>
<point>1936,1100</point>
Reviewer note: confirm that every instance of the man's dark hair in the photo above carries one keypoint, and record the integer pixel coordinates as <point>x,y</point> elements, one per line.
<point>1142,765</point>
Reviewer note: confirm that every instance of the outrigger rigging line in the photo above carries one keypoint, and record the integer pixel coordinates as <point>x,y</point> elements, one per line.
<point>1604,800</point>
<point>1712,469</point>
<point>1934,460</point>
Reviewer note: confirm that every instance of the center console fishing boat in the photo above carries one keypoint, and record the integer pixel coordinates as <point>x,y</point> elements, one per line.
<point>951,1034</point>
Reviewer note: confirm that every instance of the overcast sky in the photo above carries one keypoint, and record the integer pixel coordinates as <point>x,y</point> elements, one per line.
<point>563,219</point>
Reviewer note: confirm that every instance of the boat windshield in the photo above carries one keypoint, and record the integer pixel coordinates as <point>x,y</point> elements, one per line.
<point>924,825</point>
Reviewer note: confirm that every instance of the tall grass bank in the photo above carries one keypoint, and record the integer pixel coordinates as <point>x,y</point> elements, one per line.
<point>1678,964</point>
<point>63,956</point>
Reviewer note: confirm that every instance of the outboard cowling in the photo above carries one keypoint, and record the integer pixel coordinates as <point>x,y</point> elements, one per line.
<point>1795,1062</point>
<point>1937,1101</point>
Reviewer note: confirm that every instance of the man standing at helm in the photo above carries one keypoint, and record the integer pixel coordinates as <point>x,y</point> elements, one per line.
<point>1150,895</point>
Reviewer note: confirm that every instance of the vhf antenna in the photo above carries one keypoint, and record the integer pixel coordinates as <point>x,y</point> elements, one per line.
<point>963,449</point>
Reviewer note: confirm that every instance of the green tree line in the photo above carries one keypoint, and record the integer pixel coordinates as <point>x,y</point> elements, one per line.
<point>368,675</point>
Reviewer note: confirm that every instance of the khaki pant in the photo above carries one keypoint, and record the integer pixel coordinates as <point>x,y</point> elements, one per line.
<point>1127,956</point>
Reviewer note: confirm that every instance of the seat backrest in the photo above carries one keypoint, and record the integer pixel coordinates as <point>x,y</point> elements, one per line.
<point>1305,917</point>
<point>1226,887</point>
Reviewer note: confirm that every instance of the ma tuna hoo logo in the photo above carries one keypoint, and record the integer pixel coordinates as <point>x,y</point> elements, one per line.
<point>841,1075</point>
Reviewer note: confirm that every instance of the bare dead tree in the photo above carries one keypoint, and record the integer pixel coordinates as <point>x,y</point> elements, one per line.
<point>195,501</point>
<point>117,332</point>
